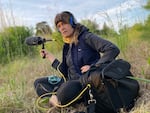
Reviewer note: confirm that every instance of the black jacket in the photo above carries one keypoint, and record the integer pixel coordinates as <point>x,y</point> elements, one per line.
<point>86,52</point>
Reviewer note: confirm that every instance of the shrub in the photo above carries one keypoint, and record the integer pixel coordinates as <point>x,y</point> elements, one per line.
<point>12,43</point>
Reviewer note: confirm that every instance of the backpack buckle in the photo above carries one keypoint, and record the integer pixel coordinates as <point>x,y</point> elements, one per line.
<point>92,100</point>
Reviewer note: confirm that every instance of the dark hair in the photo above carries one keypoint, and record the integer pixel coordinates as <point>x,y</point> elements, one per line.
<point>66,17</point>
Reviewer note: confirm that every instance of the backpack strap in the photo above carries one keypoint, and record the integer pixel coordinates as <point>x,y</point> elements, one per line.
<point>91,103</point>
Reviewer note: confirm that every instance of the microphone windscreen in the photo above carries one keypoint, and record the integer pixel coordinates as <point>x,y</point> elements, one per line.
<point>34,41</point>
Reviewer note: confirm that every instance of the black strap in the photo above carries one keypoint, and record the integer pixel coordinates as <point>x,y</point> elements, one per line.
<point>91,108</point>
<point>91,103</point>
<point>108,94</point>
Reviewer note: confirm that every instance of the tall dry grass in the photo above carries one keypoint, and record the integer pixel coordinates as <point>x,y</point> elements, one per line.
<point>138,54</point>
<point>7,16</point>
<point>17,93</point>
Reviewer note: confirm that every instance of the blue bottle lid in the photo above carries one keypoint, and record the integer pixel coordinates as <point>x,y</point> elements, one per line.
<point>53,79</point>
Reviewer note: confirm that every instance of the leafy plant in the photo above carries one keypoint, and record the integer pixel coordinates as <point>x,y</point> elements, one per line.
<point>12,41</point>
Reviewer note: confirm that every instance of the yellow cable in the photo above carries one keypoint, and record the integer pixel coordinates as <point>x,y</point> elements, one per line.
<point>53,93</point>
<point>57,105</point>
<point>39,98</point>
<point>61,106</point>
<point>61,73</point>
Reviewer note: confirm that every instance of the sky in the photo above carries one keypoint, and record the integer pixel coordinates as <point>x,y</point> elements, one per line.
<point>113,12</point>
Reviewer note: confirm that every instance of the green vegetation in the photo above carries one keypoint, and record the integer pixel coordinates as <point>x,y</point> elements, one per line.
<point>148,5</point>
<point>12,43</point>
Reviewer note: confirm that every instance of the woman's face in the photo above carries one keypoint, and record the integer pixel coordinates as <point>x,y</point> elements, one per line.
<point>66,30</point>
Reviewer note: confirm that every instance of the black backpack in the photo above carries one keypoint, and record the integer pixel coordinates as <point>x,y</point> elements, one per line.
<point>120,92</point>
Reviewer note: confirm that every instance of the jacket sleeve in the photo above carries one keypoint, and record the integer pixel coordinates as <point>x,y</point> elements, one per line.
<point>62,66</point>
<point>109,50</point>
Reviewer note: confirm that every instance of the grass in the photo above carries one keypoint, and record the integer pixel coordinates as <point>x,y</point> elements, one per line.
<point>17,93</point>
<point>16,84</point>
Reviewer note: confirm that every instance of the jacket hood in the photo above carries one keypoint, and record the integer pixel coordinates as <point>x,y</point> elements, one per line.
<point>83,29</point>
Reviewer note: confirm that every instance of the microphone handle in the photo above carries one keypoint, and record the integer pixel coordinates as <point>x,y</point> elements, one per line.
<point>50,40</point>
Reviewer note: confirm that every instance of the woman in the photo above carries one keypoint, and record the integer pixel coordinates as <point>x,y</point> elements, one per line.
<point>81,50</point>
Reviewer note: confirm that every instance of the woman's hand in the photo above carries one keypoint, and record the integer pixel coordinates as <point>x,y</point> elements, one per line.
<point>47,55</point>
<point>43,53</point>
<point>85,68</point>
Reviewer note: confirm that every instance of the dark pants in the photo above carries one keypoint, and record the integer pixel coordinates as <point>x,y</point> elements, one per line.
<point>42,86</point>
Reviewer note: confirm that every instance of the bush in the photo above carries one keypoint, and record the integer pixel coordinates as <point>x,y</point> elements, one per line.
<point>12,43</point>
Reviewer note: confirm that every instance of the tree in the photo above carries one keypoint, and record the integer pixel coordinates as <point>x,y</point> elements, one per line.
<point>147,6</point>
<point>93,26</point>
<point>105,30</point>
<point>43,29</point>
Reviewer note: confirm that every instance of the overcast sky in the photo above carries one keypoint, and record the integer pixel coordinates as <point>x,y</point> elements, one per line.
<point>30,12</point>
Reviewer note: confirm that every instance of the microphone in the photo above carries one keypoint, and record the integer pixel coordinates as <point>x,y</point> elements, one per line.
<point>31,41</point>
